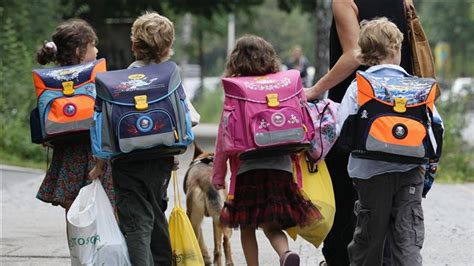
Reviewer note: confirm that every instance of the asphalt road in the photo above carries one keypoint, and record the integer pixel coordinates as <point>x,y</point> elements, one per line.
<point>33,232</point>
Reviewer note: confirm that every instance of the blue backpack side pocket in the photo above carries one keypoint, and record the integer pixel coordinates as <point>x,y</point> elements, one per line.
<point>96,137</point>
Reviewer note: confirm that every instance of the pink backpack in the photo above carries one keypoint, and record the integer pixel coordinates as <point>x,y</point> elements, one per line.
<point>265,115</point>
<point>323,113</point>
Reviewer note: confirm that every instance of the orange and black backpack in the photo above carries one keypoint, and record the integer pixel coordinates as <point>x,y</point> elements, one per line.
<point>66,98</point>
<point>395,120</point>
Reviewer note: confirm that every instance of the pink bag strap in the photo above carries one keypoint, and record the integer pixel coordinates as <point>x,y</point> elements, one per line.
<point>320,130</point>
<point>299,172</point>
<point>233,179</point>
<point>231,194</point>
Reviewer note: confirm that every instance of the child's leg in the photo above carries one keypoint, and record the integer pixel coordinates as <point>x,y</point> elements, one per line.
<point>249,245</point>
<point>407,227</point>
<point>136,212</point>
<point>276,237</point>
<point>159,173</point>
<point>373,215</point>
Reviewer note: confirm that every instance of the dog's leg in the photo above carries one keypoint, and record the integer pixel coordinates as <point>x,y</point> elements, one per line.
<point>217,229</point>
<point>204,250</point>
<point>227,232</point>
<point>195,212</point>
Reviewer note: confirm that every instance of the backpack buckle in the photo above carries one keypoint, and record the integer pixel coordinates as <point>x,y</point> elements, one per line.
<point>400,105</point>
<point>272,100</point>
<point>141,102</point>
<point>68,88</point>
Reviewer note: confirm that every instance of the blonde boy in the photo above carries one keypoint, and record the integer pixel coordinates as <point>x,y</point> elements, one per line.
<point>141,181</point>
<point>389,194</point>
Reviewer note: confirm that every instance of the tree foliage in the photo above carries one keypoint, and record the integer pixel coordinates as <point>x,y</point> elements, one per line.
<point>282,29</point>
<point>25,25</point>
<point>452,22</point>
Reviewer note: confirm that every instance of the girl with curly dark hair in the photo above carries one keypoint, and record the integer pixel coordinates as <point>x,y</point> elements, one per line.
<point>72,43</point>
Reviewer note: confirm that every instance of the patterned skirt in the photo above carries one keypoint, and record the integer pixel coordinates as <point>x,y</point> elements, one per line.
<point>267,196</point>
<point>68,173</point>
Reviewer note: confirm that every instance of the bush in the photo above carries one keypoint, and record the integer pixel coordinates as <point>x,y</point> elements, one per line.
<point>457,160</point>
<point>25,25</point>
<point>209,106</point>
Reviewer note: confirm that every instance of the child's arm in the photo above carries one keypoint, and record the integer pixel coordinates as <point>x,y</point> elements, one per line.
<point>347,107</point>
<point>437,118</point>
<point>219,170</point>
<point>432,166</point>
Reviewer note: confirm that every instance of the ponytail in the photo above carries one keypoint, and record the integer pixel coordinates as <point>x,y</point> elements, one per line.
<point>47,53</point>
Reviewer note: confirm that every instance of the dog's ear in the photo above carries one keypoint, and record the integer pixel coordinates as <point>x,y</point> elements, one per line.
<point>208,159</point>
<point>197,150</point>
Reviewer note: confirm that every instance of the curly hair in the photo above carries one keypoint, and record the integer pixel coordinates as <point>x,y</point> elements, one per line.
<point>152,37</point>
<point>69,35</point>
<point>378,39</point>
<point>251,56</point>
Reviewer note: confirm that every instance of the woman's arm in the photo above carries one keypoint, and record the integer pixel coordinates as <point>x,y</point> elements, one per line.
<point>347,25</point>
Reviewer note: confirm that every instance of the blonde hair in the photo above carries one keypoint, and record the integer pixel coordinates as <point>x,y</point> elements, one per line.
<point>152,37</point>
<point>251,56</point>
<point>378,39</point>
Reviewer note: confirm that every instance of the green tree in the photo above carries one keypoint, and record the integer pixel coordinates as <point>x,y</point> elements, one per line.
<point>25,25</point>
<point>452,22</point>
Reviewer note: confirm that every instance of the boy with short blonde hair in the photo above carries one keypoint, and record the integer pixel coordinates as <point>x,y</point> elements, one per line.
<point>152,38</point>
<point>141,180</point>
<point>389,191</point>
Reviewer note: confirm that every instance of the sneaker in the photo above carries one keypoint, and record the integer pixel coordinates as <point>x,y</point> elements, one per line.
<point>290,259</point>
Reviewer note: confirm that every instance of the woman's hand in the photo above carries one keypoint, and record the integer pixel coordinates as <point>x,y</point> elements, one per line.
<point>219,186</point>
<point>313,92</point>
<point>98,170</point>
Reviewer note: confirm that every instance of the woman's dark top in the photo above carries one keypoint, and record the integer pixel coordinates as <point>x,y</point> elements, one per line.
<point>394,10</point>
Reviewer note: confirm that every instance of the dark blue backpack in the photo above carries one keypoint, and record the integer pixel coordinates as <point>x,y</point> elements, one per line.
<point>140,109</point>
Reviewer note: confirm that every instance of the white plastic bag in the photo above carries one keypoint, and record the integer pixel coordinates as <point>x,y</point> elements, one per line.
<point>93,233</point>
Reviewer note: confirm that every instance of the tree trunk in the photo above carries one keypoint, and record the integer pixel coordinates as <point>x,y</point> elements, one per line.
<point>323,26</point>
<point>200,90</point>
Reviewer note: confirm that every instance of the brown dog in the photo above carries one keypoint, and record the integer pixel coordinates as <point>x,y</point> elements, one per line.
<point>202,199</point>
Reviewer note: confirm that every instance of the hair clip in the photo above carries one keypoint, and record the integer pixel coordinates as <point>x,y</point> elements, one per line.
<point>51,45</point>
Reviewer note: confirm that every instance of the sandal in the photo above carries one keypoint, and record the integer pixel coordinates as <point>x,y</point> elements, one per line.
<point>290,259</point>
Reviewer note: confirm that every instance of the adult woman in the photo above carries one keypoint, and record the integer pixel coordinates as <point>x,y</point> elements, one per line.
<point>343,63</point>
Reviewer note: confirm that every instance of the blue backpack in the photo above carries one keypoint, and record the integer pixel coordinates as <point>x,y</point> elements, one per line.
<point>66,97</point>
<point>140,110</point>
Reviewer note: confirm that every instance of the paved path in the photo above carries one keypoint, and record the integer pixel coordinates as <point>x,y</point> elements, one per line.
<point>33,233</point>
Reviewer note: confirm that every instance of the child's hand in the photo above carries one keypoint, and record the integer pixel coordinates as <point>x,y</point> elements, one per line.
<point>175,163</point>
<point>98,170</point>
<point>430,175</point>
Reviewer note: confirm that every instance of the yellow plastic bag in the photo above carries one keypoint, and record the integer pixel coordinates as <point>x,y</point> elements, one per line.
<point>317,187</point>
<point>184,245</point>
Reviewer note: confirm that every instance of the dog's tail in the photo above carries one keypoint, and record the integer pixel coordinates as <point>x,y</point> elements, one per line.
<point>215,201</point>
